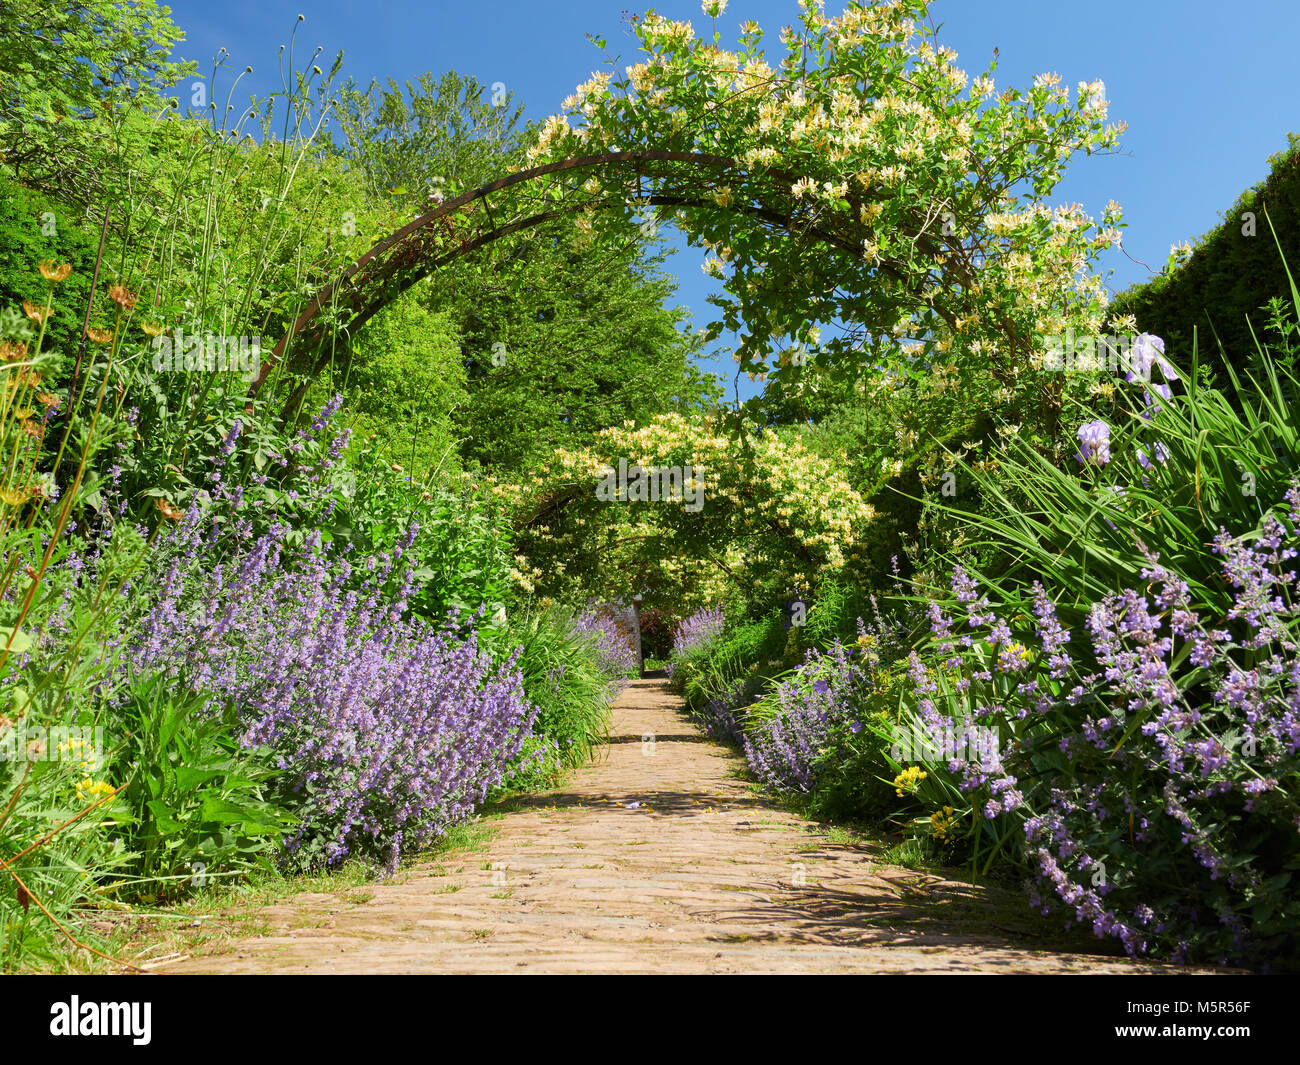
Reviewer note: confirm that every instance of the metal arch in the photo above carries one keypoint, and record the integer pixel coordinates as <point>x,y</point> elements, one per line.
<point>421,246</point>
<point>416,246</point>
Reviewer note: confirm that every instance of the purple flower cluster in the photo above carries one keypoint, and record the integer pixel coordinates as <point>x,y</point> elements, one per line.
<point>1149,353</point>
<point>1150,762</point>
<point>718,715</point>
<point>389,730</point>
<point>1094,443</point>
<point>784,744</point>
<point>617,657</point>
<point>695,633</point>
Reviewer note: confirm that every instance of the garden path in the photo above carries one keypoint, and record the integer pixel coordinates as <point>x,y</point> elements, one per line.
<point>656,858</point>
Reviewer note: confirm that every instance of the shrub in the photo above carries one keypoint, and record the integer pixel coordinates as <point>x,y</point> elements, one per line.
<point>615,655</point>
<point>1233,272</point>
<point>389,730</point>
<point>301,483</point>
<point>1126,669</point>
<point>1149,769</point>
<point>823,729</point>
<point>564,677</point>
<point>748,655</point>
<point>791,728</point>
<point>199,804</point>
<point>692,639</point>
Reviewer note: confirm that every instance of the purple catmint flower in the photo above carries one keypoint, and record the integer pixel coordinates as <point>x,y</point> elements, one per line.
<point>388,728</point>
<point>1187,729</point>
<point>615,653</point>
<point>785,748</point>
<point>695,633</point>
<point>232,438</point>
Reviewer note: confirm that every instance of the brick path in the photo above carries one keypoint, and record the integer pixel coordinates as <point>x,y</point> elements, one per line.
<point>656,859</point>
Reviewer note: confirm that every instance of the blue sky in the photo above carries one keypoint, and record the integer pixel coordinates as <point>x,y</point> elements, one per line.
<point>1208,90</point>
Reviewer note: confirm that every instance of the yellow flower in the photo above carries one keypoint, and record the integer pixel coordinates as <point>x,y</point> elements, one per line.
<point>91,791</point>
<point>908,779</point>
<point>942,823</point>
<point>35,313</point>
<point>55,273</point>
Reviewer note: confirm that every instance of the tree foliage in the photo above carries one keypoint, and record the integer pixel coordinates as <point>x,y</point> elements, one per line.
<point>865,183</point>
<point>80,82</point>
<point>1208,294</point>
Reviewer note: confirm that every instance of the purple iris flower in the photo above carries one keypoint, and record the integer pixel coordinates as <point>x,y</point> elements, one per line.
<point>1094,443</point>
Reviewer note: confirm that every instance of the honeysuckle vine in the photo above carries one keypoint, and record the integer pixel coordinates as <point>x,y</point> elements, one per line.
<point>861,181</point>
<point>910,197</point>
<point>770,511</point>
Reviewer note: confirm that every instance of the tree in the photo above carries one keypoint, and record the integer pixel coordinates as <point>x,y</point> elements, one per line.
<point>404,384</point>
<point>434,137</point>
<point>79,80</point>
<point>762,518</point>
<point>560,336</point>
<point>561,342</point>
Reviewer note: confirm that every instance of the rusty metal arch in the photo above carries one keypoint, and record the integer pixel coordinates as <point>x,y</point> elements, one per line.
<point>430,241</point>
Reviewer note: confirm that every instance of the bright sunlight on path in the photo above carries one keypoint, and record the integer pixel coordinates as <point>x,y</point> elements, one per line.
<point>657,858</point>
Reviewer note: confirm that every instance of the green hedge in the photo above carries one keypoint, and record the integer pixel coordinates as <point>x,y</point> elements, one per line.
<point>1229,276</point>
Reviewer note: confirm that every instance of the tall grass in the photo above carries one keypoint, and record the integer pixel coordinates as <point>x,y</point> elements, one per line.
<point>1180,470</point>
<point>563,678</point>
